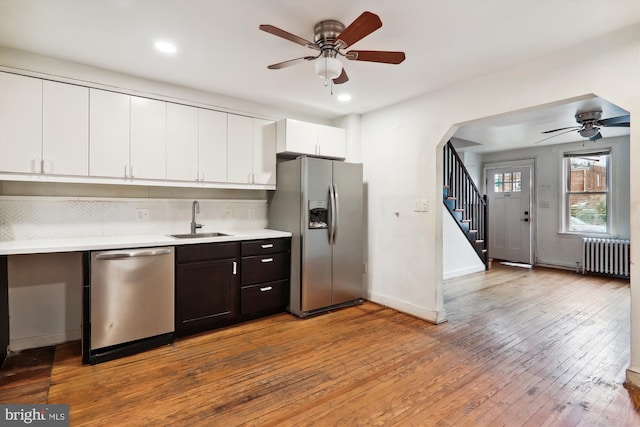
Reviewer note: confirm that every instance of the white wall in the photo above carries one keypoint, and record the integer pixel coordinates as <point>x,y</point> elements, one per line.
<point>564,250</point>
<point>459,257</point>
<point>402,156</point>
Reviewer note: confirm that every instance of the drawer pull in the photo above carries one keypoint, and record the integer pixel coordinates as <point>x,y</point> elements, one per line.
<point>270,245</point>
<point>267,260</point>
<point>266,288</point>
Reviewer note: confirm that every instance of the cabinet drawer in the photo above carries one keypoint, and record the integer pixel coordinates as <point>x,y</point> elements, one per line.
<point>206,252</point>
<point>267,246</point>
<point>264,297</point>
<point>265,268</point>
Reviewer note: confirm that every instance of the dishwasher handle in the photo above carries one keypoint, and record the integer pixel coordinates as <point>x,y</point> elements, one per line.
<point>132,254</point>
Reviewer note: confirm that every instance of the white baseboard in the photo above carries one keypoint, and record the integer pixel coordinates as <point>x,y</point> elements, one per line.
<point>43,341</point>
<point>462,272</point>
<point>432,316</point>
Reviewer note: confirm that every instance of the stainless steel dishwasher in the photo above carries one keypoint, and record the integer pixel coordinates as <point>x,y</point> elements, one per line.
<point>131,302</point>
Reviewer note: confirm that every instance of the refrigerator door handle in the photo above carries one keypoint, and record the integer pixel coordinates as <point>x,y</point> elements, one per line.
<point>332,214</point>
<point>336,209</point>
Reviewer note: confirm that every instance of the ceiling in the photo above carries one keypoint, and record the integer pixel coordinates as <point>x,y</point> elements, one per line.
<point>221,49</point>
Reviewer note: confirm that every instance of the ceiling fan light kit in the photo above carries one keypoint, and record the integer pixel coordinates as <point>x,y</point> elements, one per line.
<point>330,37</point>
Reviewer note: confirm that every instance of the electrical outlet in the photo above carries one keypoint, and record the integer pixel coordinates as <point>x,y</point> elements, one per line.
<point>252,213</point>
<point>142,215</point>
<point>228,213</point>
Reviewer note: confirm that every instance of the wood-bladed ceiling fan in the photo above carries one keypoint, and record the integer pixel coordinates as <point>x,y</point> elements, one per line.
<point>330,38</point>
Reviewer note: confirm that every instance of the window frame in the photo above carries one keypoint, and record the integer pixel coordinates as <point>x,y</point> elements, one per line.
<point>565,193</point>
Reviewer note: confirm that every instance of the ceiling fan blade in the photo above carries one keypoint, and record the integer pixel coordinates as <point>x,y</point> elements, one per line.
<point>620,121</point>
<point>556,130</point>
<point>288,36</point>
<point>596,137</point>
<point>364,25</point>
<point>290,62</point>
<point>376,56</point>
<point>342,78</point>
<point>553,136</point>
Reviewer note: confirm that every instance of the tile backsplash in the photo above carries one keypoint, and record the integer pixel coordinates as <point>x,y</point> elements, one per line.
<point>28,217</point>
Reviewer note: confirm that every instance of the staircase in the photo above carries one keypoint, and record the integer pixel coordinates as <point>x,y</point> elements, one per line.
<point>465,203</point>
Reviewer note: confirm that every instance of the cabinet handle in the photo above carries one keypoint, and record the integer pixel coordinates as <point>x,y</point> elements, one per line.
<point>235,265</point>
<point>267,260</point>
<point>131,171</point>
<point>267,246</point>
<point>266,288</point>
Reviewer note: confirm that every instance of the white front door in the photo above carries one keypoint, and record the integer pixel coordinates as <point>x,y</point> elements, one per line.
<point>509,194</point>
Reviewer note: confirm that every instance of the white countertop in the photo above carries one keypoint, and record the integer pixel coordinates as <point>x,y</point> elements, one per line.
<point>19,247</point>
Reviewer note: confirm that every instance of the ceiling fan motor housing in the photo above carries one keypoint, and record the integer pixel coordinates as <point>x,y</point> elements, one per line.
<point>588,116</point>
<point>326,33</point>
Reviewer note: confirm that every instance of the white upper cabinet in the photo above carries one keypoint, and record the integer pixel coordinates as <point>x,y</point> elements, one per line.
<point>264,152</point>
<point>70,133</point>
<point>182,143</point>
<point>296,138</point>
<point>20,124</point>
<point>332,142</point>
<point>212,146</point>
<point>65,129</point>
<point>148,138</point>
<point>108,134</point>
<point>251,148</point>
<point>239,149</point>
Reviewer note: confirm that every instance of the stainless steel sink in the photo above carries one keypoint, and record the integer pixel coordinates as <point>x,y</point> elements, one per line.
<point>196,235</point>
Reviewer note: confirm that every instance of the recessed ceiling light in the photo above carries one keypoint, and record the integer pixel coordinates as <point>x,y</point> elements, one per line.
<point>344,97</point>
<point>166,47</point>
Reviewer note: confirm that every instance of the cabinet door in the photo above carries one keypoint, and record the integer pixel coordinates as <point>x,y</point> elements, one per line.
<point>108,133</point>
<point>239,149</point>
<point>65,129</point>
<point>20,123</point>
<point>332,142</point>
<point>148,138</point>
<point>206,295</point>
<point>182,142</point>
<point>264,152</point>
<point>212,143</point>
<point>297,137</point>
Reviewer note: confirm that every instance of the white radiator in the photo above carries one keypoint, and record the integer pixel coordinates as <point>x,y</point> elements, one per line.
<point>606,256</point>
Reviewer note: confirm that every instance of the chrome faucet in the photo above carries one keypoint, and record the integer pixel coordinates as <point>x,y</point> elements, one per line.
<point>195,208</point>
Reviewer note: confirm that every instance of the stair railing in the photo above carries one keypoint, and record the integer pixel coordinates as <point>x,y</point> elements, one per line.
<point>465,202</point>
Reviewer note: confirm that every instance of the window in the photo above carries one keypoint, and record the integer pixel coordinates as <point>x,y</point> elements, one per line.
<point>586,192</point>
<point>509,182</point>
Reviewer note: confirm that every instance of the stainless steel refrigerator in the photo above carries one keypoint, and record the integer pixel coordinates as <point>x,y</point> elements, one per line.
<point>320,202</point>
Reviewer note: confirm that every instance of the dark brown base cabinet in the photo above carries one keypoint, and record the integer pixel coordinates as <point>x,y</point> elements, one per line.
<point>266,267</point>
<point>218,284</point>
<point>206,286</point>
<point>4,309</point>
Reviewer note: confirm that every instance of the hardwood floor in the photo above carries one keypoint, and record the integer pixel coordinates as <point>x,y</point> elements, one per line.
<point>522,347</point>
